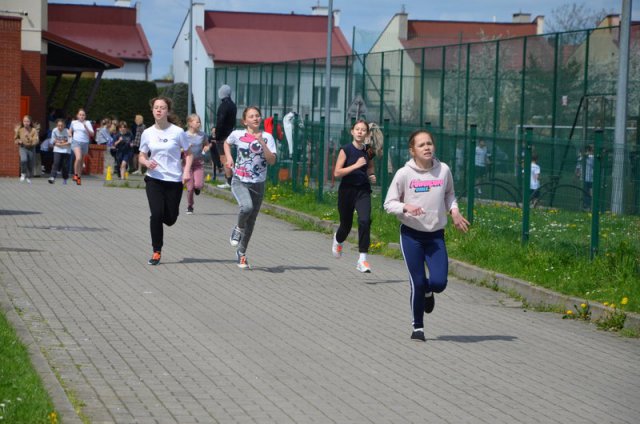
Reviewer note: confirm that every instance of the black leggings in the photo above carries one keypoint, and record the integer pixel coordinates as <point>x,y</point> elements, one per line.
<point>60,161</point>
<point>164,203</point>
<point>352,198</point>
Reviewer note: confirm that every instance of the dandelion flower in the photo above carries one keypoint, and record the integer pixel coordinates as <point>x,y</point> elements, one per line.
<point>613,305</point>
<point>606,303</point>
<point>583,305</point>
<point>624,301</point>
<point>569,312</point>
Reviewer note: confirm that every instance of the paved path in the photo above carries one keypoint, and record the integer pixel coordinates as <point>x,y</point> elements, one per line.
<point>300,338</point>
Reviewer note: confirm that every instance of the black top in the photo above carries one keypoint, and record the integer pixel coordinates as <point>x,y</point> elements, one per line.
<point>225,119</point>
<point>359,176</point>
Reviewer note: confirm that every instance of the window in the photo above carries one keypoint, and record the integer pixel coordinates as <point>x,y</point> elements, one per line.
<point>319,97</point>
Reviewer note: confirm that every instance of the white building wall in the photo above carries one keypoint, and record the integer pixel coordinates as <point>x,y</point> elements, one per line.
<point>140,71</point>
<point>34,20</point>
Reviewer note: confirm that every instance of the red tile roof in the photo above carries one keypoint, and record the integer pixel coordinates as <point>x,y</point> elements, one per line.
<point>239,37</point>
<point>109,62</point>
<point>439,33</point>
<point>108,29</point>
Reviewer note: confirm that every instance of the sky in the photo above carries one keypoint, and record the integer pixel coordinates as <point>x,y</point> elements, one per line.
<point>162,19</point>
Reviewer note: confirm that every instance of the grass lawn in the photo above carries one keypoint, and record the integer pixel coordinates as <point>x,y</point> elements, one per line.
<point>23,398</point>
<point>556,257</point>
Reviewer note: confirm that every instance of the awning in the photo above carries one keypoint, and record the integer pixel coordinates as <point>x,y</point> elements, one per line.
<point>68,56</point>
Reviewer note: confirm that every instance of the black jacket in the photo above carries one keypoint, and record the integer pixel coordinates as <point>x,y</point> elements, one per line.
<point>225,119</point>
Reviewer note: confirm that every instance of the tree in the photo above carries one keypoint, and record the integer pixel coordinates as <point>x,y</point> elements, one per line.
<point>573,17</point>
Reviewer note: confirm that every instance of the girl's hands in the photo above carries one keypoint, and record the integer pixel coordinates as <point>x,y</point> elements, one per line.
<point>413,210</point>
<point>151,164</point>
<point>229,163</point>
<point>372,178</point>
<point>459,221</point>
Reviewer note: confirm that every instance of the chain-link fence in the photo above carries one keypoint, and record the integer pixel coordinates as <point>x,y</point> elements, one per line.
<point>561,85</point>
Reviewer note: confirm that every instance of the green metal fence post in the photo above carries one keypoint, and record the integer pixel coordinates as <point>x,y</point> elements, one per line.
<point>321,162</point>
<point>526,191</point>
<point>384,181</point>
<point>421,116</point>
<point>273,169</point>
<point>595,198</point>
<point>313,92</point>
<point>295,156</point>
<point>471,171</point>
<point>442,80</point>
<point>381,113</point>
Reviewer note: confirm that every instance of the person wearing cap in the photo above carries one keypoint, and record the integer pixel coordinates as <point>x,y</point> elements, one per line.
<point>225,123</point>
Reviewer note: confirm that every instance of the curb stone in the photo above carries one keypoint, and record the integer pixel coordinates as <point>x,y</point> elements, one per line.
<point>534,295</point>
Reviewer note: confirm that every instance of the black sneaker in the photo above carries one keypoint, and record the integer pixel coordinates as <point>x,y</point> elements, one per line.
<point>155,259</point>
<point>189,211</point>
<point>418,335</point>
<point>429,303</point>
<point>197,191</point>
<point>236,236</point>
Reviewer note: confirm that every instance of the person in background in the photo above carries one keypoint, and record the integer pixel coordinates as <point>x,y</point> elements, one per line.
<point>482,160</point>
<point>199,145</point>
<point>138,129</point>
<point>587,175</point>
<point>357,172</point>
<point>534,182</point>
<point>216,164</point>
<point>256,150</point>
<point>123,148</point>
<point>46,154</point>
<point>420,196</point>
<point>27,138</point>
<point>225,123</point>
<point>81,132</point>
<point>114,134</point>
<point>161,147</point>
<point>61,152</point>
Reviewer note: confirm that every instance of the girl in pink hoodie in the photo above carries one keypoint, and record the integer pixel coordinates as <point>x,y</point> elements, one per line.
<point>421,194</point>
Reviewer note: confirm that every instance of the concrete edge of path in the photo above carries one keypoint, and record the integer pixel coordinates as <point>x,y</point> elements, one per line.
<point>66,413</point>
<point>533,295</point>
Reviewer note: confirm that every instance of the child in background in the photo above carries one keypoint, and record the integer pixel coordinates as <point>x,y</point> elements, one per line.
<point>123,148</point>
<point>356,169</point>
<point>534,183</point>
<point>61,152</point>
<point>199,145</point>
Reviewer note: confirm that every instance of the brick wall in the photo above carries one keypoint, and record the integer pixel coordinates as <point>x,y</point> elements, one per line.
<point>10,86</point>
<point>34,70</point>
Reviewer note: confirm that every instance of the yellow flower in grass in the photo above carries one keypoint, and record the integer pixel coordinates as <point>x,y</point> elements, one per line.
<point>606,303</point>
<point>613,305</point>
<point>569,312</point>
<point>624,301</point>
<point>583,305</point>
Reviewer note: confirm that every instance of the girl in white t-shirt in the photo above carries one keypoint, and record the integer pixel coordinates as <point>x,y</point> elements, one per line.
<point>80,132</point>
<point>161,146</point>
<point>256,149</point>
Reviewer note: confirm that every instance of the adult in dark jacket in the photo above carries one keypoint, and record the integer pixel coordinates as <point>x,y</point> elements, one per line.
<point>225,123</point>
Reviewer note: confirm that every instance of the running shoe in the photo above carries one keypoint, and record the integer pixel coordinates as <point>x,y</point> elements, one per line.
<point>242,260</point>
<point>236,236</point>
<point>336,248</point>
<point>28,180</point>
<point>22,177</point>
<point>429,303</point>
<point>52,180</point>
<point>418,335</point>
<point>78,181</point>
<point>197,191</point>
<point>136,173</point>
<point>363,266</point>
<point>189,211</point>
<point>155,259</point>
<point>225,185</point>
<point>75,177</point>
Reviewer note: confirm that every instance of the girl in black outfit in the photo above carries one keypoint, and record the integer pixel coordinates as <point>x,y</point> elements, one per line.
<point>356,169</point>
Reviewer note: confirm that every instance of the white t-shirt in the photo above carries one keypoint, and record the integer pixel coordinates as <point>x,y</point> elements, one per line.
<point>81,133</point>
<point>60,136</point>
<point>481,156</point>
<point>196,143</point>
<point>535,176</point>
<point>251,165</point>
<point>164,147</point>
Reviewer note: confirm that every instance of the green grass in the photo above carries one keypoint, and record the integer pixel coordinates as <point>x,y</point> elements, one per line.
<point>556,257</point>
<point>23,398</point>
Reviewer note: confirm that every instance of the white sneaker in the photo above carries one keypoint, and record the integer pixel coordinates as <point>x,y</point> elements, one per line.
<point>336,248</point>
<point>28,180</point>
<point>225,185</point>
<point>22,177</point>
<point>363,266</point>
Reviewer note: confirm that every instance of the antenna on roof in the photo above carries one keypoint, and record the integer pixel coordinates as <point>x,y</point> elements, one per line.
<point>402,9</point>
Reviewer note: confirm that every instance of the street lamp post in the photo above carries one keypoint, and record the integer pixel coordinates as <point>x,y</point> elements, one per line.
<point>190,75</point>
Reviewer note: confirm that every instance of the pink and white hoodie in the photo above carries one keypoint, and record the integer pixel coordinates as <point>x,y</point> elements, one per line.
<point>431,189</point>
